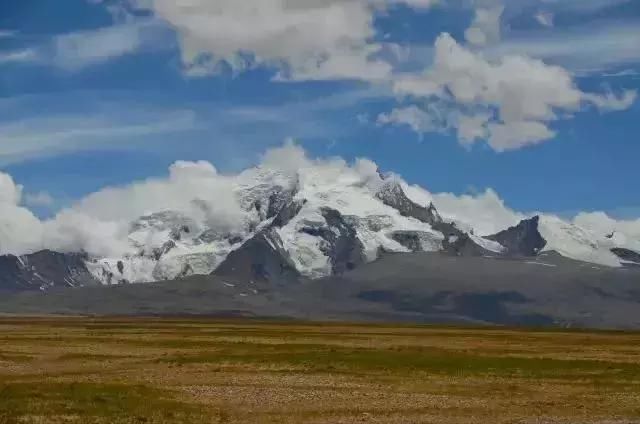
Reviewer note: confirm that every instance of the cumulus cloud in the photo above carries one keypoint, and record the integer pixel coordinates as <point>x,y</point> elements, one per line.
<point>603,224</point>
<point>20,230</point>
<point>290,157</point>
<point>304,40</point>
<point>100,223</point>
<point>486,212</point>
<point>416,118</point>
<point>482,90</point>
<point>39,199</point>
<point>485,28</point>
<point>510,101</point>
<point>194,189</point>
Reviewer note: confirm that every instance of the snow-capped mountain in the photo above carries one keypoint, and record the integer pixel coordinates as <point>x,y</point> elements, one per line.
<point>319,221</point>
<point>313,222</point>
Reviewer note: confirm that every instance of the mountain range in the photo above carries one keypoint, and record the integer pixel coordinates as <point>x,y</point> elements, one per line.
<point>310,228</point>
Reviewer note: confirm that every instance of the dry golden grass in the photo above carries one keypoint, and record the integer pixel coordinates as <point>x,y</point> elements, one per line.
<point>80,370</point>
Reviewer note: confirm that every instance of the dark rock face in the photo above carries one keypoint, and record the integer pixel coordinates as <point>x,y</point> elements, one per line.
<point>522,240</point>
<point>261,258</point>
<point>455,242</point>
<point>343,247</point>
<point>161,251</point>
<point>394,196</point>
<point>458,243</point>
<point>627,255</point>
<point>463,245</point>
<point>412,240</point>
<point>211,235</point>
<point>44,270</point>
<point>278,200</point>
<point>288,212</point>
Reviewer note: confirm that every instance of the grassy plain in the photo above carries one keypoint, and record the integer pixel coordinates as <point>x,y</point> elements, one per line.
<point>83,370</point>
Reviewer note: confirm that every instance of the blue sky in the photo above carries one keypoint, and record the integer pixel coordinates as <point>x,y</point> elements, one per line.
<point>101,93</point>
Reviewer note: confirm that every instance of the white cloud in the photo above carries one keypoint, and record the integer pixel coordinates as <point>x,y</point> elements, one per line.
<point>486,213</point>
<point>544,18</point>
<point>39,199</point>
<point>99,223</point>
<point>81,49</point>
<point>78,50</point>
<point>621,74</point>
<point>593,48</point>
<point>485,28</point>
<point>472,128</point>
<point>603,224</point>
<point>18,56</point>
<point>290,157</point>
<point>510,101</point>
<point>304,40</point>
<point>20,230</point>
<point>517,134</point>
<point>7,33</point>
<point>611,102</point>
<point>10,192</point>
<point>582,6</point>
<point>192,188</point>
<point>37,137</point>
<point>417,119</point>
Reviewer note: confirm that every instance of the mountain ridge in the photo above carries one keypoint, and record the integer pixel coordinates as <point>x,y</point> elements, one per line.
<point>321,223</point>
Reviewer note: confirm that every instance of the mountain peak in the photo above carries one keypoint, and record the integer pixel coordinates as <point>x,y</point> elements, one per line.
<point>392,194</point>
<point>523,239</point>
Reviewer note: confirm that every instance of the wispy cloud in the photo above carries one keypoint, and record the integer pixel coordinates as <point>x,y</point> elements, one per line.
<point>7,33</point>
<point>583,6</point>
<point>586,49</point>
<point>77,50</point>
<point>37,137</point>
<point>86,120</point>
<point>19,56</point>
<point>41,199</point>
<point>81,49</point>
<point>623,73</point>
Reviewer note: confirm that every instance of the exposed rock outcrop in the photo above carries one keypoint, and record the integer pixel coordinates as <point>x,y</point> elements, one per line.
<point>261,258</point>
<point>630,257</point>
<point>44,270</point>
<point>522,240</point>
<point>392,195</point>
<point>343,247</point>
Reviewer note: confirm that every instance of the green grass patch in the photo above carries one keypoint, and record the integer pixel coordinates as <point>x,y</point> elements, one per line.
<point>322,358</point>
<point>91,403</point>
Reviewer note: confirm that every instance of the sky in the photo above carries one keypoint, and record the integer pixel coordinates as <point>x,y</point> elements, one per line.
<point>533,99</point>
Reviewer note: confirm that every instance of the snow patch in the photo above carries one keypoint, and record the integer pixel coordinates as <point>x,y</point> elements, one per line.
<point>490,245</point>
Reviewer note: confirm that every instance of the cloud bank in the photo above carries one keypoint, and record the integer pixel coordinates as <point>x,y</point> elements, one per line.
<point>482,88</point>
<point>509,100</point>
<point>99,224</point>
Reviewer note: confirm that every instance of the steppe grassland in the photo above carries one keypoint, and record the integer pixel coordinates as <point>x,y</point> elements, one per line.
<point>84,370</point>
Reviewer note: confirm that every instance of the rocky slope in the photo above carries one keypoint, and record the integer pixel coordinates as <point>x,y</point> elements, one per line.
<point>43,271</point>
<point>310,223</point>
<point>547,290</point>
